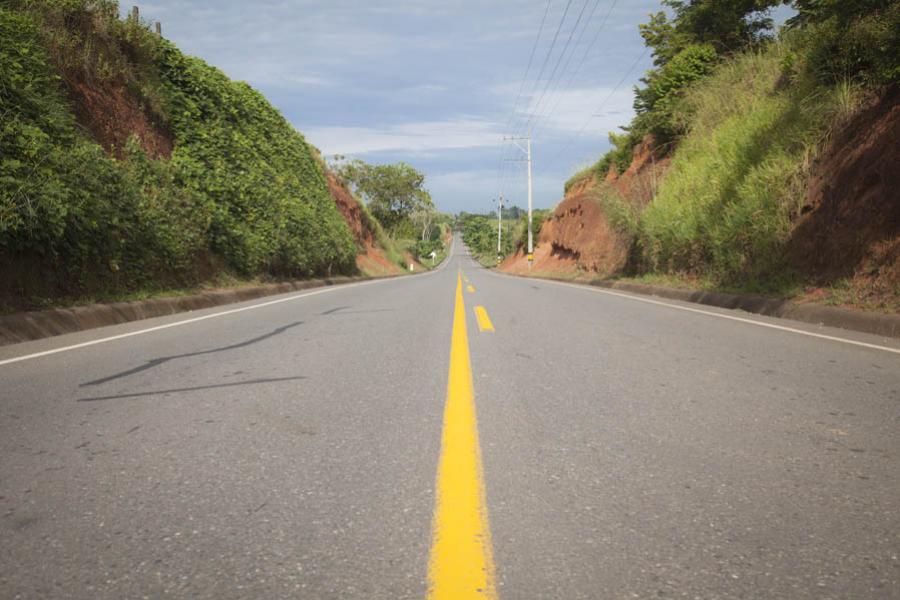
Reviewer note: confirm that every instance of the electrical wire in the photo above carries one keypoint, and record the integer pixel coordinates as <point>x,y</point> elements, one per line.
<point>590,118</point>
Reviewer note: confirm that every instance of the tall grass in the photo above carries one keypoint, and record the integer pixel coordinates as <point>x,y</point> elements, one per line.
<point>622,214</point>
<point>723,210</point>
<point>579,177</point>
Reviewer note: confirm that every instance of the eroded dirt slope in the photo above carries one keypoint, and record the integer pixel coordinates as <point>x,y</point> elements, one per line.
<point>370,258</point>
<point>111,113</point>
<point>579,237</point>
<point>849,232</point>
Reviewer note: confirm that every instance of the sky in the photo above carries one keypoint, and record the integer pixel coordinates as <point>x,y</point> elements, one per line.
<point>436,84</point>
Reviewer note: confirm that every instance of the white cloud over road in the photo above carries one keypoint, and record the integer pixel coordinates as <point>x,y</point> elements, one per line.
<point>430,83</point>
<point>414,137</point>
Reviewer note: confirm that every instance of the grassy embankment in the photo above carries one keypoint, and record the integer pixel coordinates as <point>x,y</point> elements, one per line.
<point>723,213</point>
<point>213,185</point>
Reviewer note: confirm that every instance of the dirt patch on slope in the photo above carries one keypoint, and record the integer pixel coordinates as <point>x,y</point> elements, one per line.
<point>849,230</point>
<point>579,238</point>
<point>351,211</point>
<point>370,258</point>
<point>374,262</point>
<point>638,184</point>
<point>111,114</point>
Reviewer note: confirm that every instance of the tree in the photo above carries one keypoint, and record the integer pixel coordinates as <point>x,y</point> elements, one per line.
<point>392,192</point>
<point>655,103</point>
<point>851,39</point>
<point>726,25</point>
<point>686,47</point>
<point>423,216</point>
<point>844,11</point>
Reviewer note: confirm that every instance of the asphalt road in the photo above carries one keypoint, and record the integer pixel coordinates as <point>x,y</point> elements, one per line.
<point>628,449</point>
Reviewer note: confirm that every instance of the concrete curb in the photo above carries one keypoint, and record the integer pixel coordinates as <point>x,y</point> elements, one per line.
<point>34,325</point>
<point>830,316</point>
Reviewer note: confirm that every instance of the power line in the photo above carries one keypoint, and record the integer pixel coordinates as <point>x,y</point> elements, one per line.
<point>559,59</point>
<point>528,68</point>
<point>584,56</point>
<point>587,121</point>
<point>552,45</point>
<point>549,52</point>
<point>559,92</point>
<point>500,163</point>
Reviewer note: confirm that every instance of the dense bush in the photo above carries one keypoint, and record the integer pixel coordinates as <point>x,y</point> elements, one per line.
<point>657,102</point>
<point>479,232</point>
<point>519,235</point>
<point>271,207</point>
<point>853,40</point>
<point>424,248</point>
<point>61,197</point>
<point>241,183</point>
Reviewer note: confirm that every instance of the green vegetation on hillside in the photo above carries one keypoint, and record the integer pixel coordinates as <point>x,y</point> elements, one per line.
<point>479,233</point>
<point>835,40</point>
<point>742,116</point>
<point>242,190</point>
<point>724,207</point>
<point>394,195</point>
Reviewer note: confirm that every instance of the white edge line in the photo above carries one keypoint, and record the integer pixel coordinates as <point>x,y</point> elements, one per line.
<point>588,288</point>
<point>331,288</point>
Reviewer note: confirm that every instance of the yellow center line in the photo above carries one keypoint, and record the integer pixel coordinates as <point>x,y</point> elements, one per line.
<point>484,321</point>
<point>470,288</point>
<point>461,564</point>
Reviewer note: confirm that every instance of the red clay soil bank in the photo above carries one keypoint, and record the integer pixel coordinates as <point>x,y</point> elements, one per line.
<point>850,225</point>
<point>350,209</point>
<point>370,259</point>
<point>112,114</point>
<point>638,183</point>
<point>374,262</point>
<point>578,237</point>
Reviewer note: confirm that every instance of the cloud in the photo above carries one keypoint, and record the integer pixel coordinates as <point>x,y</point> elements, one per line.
<point>589,110</point>
<point>432,83</point>
<point>472,190</point>
<point>413,137</point>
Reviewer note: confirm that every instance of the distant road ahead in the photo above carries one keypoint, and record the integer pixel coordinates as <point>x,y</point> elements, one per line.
<point>624,448</point>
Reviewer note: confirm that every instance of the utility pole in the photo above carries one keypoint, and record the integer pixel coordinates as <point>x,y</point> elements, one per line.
<point>527,151</point>
<point>499,223</point>
<point>530,241</point>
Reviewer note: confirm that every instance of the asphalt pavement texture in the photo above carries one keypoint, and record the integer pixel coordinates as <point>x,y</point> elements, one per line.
<point>289,450</point>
